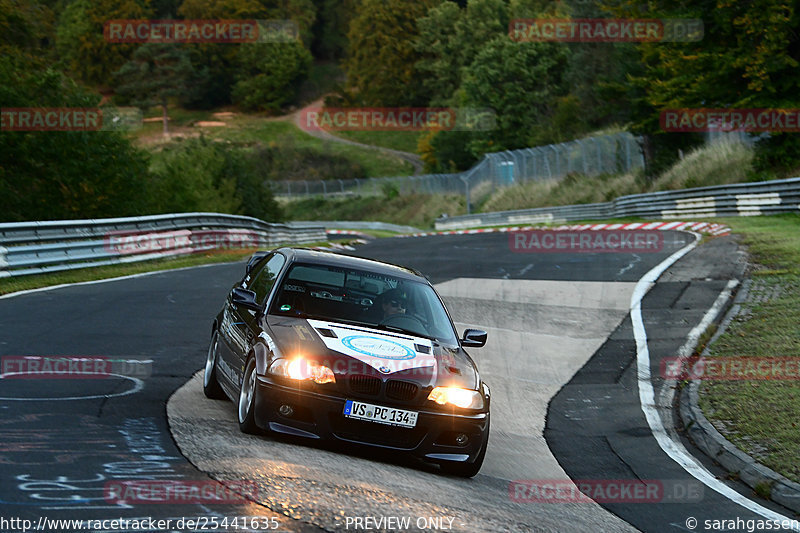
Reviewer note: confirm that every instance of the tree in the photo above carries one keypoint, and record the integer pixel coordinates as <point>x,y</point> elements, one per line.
<point>267,81</point>
<point>27,25</point>
<point>520,82</point>
<point>63,175</point>
<point>381,54</point>
<point>81,43</point>
<point>216,65</point>
<point>439,49</point>
<point>330,28</point>
<point>748,57</point>
<point>155,73</point>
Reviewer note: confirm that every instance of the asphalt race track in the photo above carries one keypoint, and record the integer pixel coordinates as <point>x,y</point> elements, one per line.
<point>561,360</point>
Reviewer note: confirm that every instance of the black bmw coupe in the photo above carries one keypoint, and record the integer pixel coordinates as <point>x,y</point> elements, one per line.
<point>322,345</point>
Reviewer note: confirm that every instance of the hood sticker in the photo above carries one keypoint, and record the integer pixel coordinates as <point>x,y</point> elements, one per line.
<point>384,353</point>
<point>376,347</point>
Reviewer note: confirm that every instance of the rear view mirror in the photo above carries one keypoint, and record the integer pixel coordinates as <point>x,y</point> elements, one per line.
<point>473,338</point>
<point>245,298</point>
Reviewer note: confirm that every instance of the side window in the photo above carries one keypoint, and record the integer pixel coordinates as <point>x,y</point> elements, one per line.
<point>264,279</point>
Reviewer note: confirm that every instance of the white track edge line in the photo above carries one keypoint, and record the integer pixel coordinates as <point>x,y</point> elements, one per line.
<point>647,396</point>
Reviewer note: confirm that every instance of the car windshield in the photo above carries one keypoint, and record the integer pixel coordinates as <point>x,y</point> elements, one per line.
<point>364,298</point>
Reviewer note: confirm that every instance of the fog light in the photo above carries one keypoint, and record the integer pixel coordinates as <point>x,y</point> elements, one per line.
<point>461,439</point>
<point>286,410</point>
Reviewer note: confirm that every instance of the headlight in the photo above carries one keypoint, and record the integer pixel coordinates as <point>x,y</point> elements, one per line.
<point>301,368</point>
<point>464,398</point>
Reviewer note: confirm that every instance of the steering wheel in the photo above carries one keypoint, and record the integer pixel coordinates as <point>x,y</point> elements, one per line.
<point>402,320</point>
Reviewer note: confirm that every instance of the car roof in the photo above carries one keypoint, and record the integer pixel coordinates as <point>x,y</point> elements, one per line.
<point>325,257</point>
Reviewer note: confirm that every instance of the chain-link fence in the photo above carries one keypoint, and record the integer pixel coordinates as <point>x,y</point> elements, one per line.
<point>604,154</point>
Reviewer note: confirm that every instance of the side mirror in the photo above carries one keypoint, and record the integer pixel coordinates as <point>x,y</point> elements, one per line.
<point>473,338</point>
<point>245,298</point>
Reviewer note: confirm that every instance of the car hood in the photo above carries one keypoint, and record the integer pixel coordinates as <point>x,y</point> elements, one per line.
<point>351,350</point>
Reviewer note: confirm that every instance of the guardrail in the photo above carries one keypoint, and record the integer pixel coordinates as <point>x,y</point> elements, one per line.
<point>740,199</point>
<point>52,246</point>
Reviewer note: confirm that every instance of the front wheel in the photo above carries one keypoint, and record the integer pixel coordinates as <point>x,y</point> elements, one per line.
<point>247,400</point>
<point>211,387</point>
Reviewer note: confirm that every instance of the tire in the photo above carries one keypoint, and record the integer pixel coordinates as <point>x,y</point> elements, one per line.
<point>247,400</point>
<point>468,469</point>
<point>211,386</point>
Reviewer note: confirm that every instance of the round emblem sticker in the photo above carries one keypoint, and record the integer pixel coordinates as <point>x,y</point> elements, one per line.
<point>382,348</point>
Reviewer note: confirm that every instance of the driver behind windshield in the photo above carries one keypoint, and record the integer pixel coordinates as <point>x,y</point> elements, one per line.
<point>393,302</point>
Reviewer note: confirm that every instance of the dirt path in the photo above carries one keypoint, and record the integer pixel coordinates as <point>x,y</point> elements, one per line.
<point>413,159</point>
<point>295,117</point>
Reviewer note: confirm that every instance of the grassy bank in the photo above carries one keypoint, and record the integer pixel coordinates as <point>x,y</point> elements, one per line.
<point>760,417</point>
<point>715,164</point>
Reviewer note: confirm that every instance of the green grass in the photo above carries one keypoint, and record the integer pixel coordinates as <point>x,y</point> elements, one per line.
<point>405,141</point>
<point>178,118</point>
<point>418,210</point>
<point>573,189</point>
<point>760,417</point>
<point>250,130</point>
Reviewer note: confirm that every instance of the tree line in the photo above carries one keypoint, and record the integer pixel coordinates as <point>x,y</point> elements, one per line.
<point>399,53</point>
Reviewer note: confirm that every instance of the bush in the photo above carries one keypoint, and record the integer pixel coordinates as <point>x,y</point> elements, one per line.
<point>200,175</point>
<point>777,156</point>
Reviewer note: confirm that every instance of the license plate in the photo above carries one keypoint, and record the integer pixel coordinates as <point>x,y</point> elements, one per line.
<point>381,415</point>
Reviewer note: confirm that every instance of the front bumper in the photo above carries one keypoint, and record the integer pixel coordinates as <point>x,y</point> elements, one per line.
<point>320,416</point>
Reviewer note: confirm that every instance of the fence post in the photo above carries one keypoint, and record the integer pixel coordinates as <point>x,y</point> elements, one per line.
<point>597,151</point>
<point>583,157</point>
<point>628,154</point>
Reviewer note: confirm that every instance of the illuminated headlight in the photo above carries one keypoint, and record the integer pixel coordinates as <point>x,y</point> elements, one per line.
<point>302,369</point>
<point>464,398</point>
